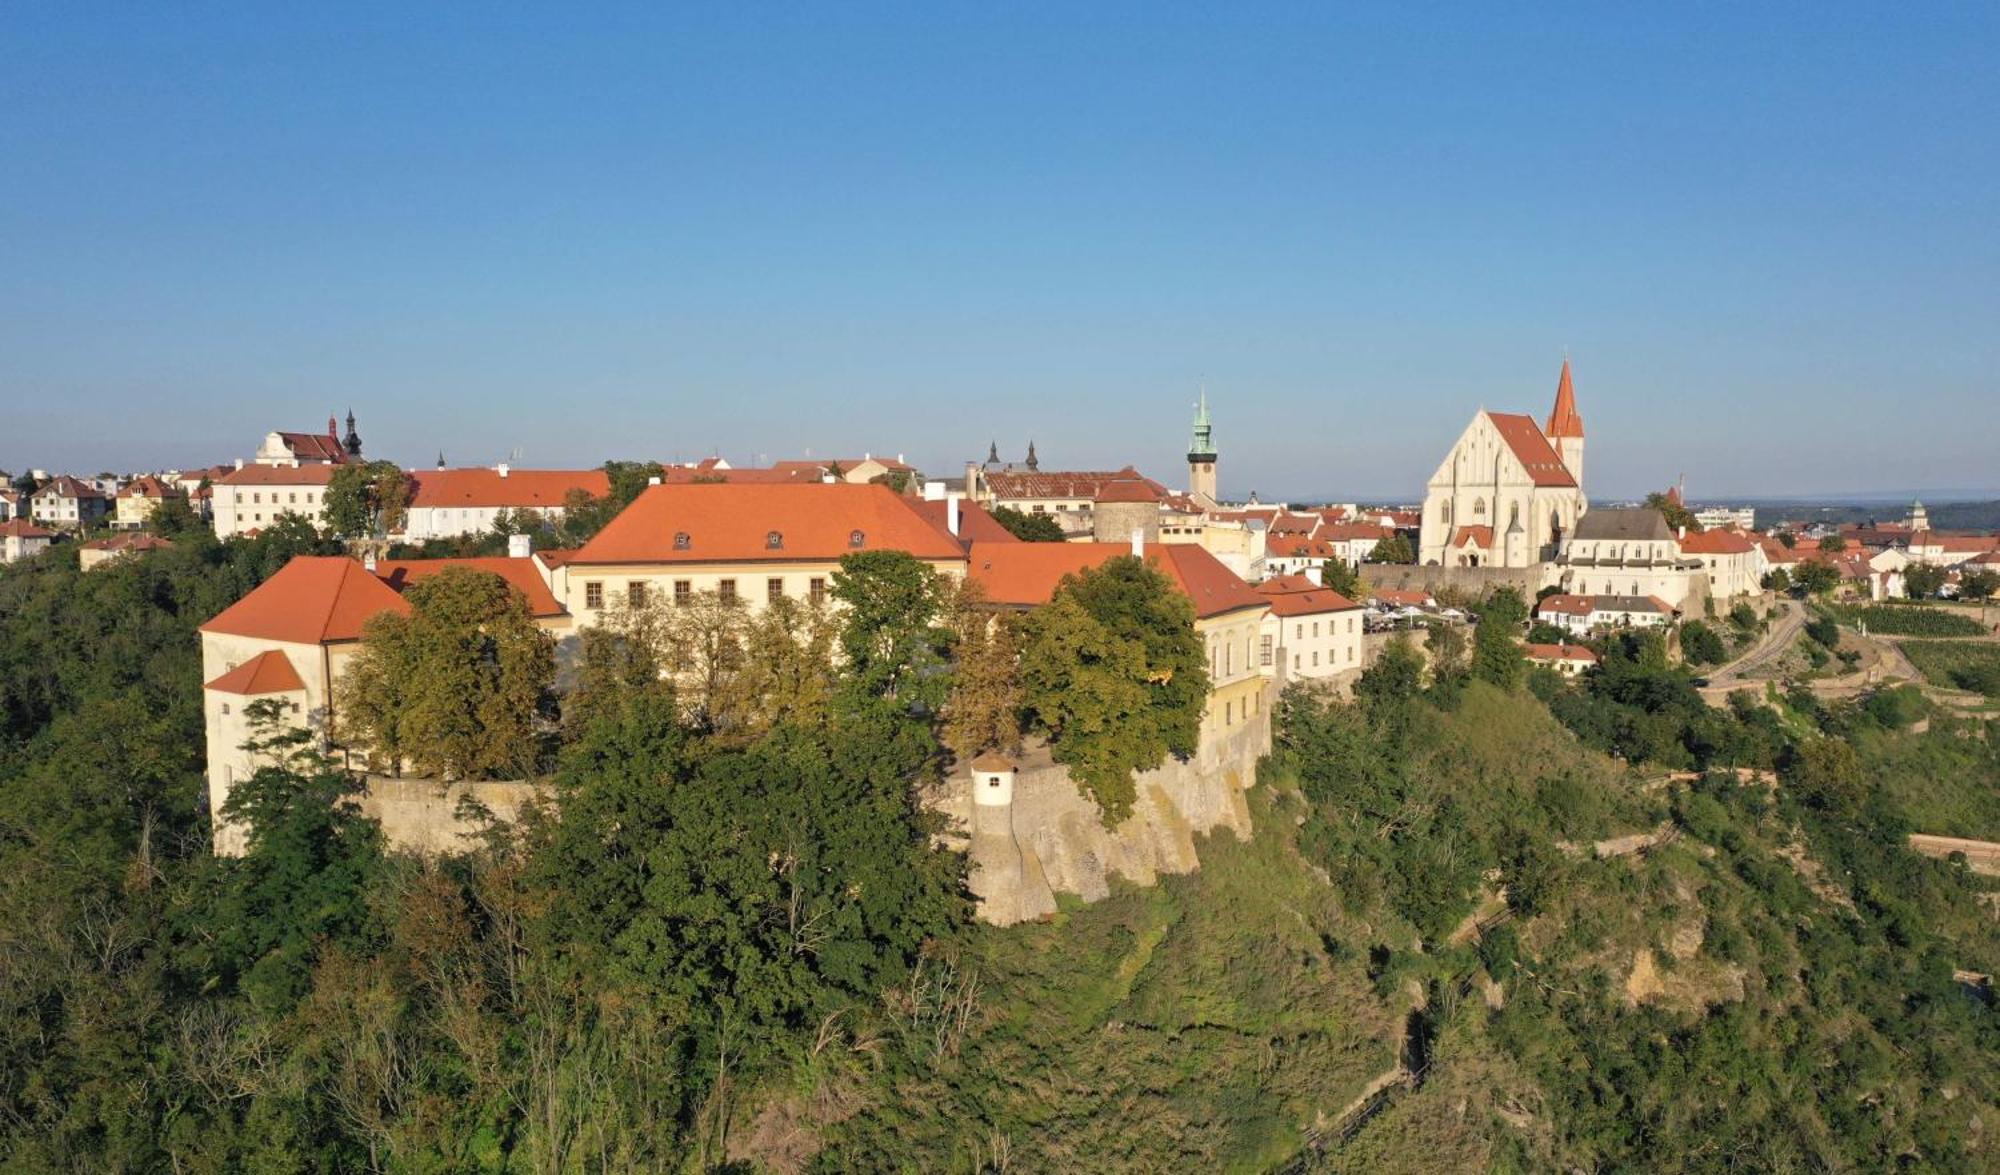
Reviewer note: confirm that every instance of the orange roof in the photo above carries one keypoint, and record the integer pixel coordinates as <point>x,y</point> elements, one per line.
<point>1296,524</point>
<point>1532,449</point>
<point>974,523</point>
<point>146,487</point>
<point>1717,542</point>
<point>726,523</point>
<point>1295,595</point>
<point>444,488</point>
<point>1402,598</point>
<point>1475,536</point>
<point>1348,531</point>
<point>1295,547</point>
<point>1559,653</point>
<point>128,542</point>
<point>282,475</point>
<point>1569,604</point>
<point>1563,421</point>
<point>1027,574</point>
<point>313,446</point>
<point>1008,484</point>
<point>314,599</point>
<point>269,672</point>
<point>21,528</point>
<point>519,573</point>
<point>1129,489</point>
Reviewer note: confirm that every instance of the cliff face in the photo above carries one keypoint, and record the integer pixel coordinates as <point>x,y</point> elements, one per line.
<point>1050,840</point>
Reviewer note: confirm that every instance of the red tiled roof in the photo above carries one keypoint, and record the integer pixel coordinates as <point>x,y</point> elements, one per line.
<point>314,599</point>
<point>281,475</point>
<point>1717,542</point>
<point>269,672</point>
<point>1563,421</point>
<point>1559,653</point>
<point>65,486</point>
<point>1129,489</point>
<point>974,523</point>
<point>1955,542</point>
<point>1295,595</point>
<point>314,446</point>
<point>146,487</point>
<point>1349,531</point>
<point>1475,536</point>
<point>1402,598</point>
<point>519,574</point>
<point>537,488</point>
<point>21,528</point>
<point>1017,483</point>
<point>1567,605</point>
<point>555,557</point>
<point>1532,449</point>
<point>1301,525</point>
<point>733,523</point>
<point>1027,574</point>
<point>1294,547</point>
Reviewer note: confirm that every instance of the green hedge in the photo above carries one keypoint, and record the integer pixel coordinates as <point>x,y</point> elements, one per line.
<point>1908,620</point>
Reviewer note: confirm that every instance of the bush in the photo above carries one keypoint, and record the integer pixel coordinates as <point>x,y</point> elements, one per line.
<point>1700,644</point>
<point>1825,630</point>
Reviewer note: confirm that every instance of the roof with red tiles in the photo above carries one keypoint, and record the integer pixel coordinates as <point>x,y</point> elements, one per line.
<point>1027,574</point>
<point>1020,483</point>
<point>729,523</point>
<point>280,475</point>
<point>1532,449</point>
<point>21,528</point>
<point>314,599</point>
<point>1295,595</point>
<point>974,523</point>
<point>1563,420</point>
<point>520,574</point>
<point>1473,536</point>
<point>516,489</point>
<point>1535,652</point>
<point>1717,542</point>
<point>134,541</point>
<point>314,446</point>
<point>269,672</point>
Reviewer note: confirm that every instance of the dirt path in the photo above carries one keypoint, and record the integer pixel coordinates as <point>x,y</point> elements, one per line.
<point>1772,645</point>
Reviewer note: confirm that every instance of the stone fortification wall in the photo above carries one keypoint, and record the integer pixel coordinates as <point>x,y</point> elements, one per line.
<point>1049,839</point>
<point>423,815</point>
<point>1471,582</point>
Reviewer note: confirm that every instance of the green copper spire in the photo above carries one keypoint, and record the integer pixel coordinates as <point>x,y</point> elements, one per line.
<point>1203,444</point>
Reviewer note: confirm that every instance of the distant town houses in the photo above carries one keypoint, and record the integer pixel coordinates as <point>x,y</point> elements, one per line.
<point>97,552</point>
<point>1568,660</point>
<point>1310,632</point>
<point>140,499</point>
<point>447,503</point>
<point>68,503</point>
<point>1584,615</point>
<point>21,539</point>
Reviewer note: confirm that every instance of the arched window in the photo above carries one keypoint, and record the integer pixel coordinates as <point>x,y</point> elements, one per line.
<point>774,540</point>
<point>681,540</point>
<point>856,539</point>
<point>1479,507</point>
<point>1447,511</point>
<point>1514,515</point>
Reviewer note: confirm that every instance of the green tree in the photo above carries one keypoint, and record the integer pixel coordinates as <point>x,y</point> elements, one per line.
<point>1496,649</point>
<point>1776,580</point>
<point>1394,549</point>
<point>1921,581</point>
<point>1817,577</point>
<point>458,687</point>
<point>983,711</point>
<point>1029,528</point>
<point>1114,674</point>
<point>1832,544</point>
<point>1700,644</point>
<point>1396,677</point>
<point>174,517</point>
<point>367,500</point>
<point>1337,575</point>
<point>1675,512</point>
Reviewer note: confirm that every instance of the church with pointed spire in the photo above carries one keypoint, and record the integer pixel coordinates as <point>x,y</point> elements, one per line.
<point>1510,490</point>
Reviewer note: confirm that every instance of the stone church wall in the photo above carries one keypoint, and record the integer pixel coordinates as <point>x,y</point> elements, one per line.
<point>423,815</point>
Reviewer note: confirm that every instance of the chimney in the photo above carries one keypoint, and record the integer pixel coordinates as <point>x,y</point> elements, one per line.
<point>520,546</point>
<point>501,469</point>
<point>368,561</point>
<point>1684,533</point>
<point>1138,542</point>
<point>951,516</point>
<point>653,481</point>
<point>1317,575</point>
<point>239,463</point>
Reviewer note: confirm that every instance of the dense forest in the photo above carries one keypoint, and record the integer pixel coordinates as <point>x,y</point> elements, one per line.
<point>730,943</point>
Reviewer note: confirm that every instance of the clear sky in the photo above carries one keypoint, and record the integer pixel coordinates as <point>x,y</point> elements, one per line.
<point>1769,235</point>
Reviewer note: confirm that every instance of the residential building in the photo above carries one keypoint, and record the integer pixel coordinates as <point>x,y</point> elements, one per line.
<point>1228,614</point>
<point>747,542</point>
<point>1585,614</point>
<point>1726,517</point>
<point>1509,491</point>
<point>1311,632</point>
<point>1568,660</point>
<point>139,500</point>
<point>1627,550</point>
<point>100,551</point>
<point>248,499</point>
<point>447,503</point>
<point>21,539</point>
<point>1733,561</point>
<point>1948,549</point>
<point>12,505</point>
<point>68,503</point>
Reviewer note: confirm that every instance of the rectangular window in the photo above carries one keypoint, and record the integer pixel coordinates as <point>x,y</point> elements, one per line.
<point>817,589</point>
<point>774,589</point>
<point>1228,713</point>
<point>727,590</point>
<point>1299,631</point>
<point>635,594</point>
<point>1264,652</point>
<point>292,498</point>
<point>1315,658</point>
<point>683,592</point>
<point>593,595</point>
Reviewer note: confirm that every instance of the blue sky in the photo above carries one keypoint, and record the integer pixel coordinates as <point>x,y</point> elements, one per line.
<point>1767,237</point>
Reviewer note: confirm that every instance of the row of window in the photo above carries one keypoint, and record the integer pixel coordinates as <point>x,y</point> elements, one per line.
<point>257,498</point>
<point>637,591</point>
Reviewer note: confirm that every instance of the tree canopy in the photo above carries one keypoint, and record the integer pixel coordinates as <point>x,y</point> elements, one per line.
<point>1029,528</point>
<point>367,499</point>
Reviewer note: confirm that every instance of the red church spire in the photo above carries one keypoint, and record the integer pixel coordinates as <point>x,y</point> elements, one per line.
<point>1563,421</point>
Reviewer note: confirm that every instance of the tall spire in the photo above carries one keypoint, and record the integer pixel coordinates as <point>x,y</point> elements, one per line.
<point>993,452</point>
<point>1033,464</point>
<point>1563,421</point>
<point>1203,442</point>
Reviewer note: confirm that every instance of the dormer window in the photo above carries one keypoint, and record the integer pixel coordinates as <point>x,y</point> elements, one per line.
<point>774,541</point>
<point>681,541</point>
<point>855,539</point>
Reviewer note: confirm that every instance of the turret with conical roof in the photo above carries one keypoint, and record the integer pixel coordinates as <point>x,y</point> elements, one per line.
<point>1565,427</point>
<point>353,442</point>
